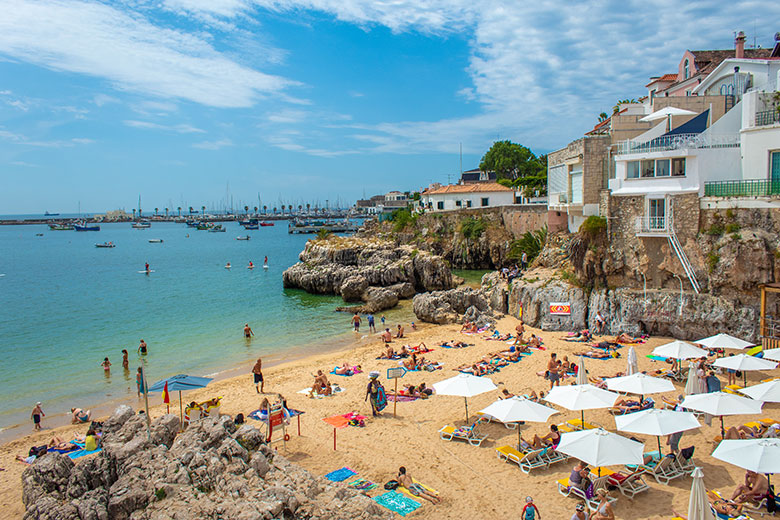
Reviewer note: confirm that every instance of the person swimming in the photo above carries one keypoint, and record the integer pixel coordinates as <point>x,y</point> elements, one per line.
<point>251,265</point>
<point>228,266</point>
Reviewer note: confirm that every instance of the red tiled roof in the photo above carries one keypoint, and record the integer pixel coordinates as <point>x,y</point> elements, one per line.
<point>665,77</point>
<point>468,188</point>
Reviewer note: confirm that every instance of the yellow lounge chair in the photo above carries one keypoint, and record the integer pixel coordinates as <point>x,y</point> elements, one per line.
<point>508,453</point>
<point>577,424</point>
<point>468,434</point>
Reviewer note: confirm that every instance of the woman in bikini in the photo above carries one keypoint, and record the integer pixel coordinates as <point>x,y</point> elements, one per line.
<point>604,510</point>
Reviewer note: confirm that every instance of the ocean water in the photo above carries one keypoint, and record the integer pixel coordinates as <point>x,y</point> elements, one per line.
<point>67,304</point>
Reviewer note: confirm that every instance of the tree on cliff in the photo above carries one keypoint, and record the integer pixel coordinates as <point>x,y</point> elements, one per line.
<point>516,166</point>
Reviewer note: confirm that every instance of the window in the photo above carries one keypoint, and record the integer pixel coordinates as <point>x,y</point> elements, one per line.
<point>657,213</point>
<point>648,168</point>
<point>678,167</point>
<point>440,205</point>
<point>468,203</point>
<point>457,203</point>
<point>632,170</point>
<point>686,70</point>
<point>662,168</point>
<point>687,92</point>
<point>485,201</point>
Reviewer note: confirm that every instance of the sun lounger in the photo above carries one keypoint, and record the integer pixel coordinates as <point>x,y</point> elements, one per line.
<point>487,418</point>
<point>593,503</point>
<point>553,456</point>
<point>619,411</point>
<point>686,466</point>
<point>577,424</point>
<point>630,485</point>
<point>664,471</point>
<point>466,433</point>
<point>732,389</point>
<point>509,454</point>
<point>533,459</point>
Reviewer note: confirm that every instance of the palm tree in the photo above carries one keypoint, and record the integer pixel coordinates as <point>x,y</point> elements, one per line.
<point>203,209</point>
<point>255,210</point>
<point>166,212</point>
<point>603,117</point>
<point>246,210</point>
<point>179,210</point>
<point>282,209</point>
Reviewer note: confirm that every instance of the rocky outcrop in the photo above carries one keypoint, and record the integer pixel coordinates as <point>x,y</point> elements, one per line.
<point>455,305</point>
<point>212,470</point>
<point>374,272</point>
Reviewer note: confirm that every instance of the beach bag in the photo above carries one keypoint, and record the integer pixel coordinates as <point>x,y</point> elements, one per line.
<point>37,451</point>
<point>739,373</point>
<point>391,485</point>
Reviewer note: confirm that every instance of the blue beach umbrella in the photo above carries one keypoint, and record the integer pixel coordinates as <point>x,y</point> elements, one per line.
<point>180,383</point>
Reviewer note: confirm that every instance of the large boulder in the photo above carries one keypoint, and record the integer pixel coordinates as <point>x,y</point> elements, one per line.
<point>378,299</point>
<point>353,288</point>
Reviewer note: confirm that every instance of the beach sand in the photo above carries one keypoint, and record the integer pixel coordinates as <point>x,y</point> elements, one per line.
<point>472,481</point>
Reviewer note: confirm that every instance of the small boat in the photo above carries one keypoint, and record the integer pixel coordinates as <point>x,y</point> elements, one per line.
<point>243,238</point>
<point>217,229</point>
<point>155,240</point>
<point>204,226</point>
<point>61,227</point>
<point>47,214</point>
<point>249,227</point>
<point>38,234</point>
<point>142,224</point>
<point>192,223</point>
<point>266,223</point>
<point>106,245</point>
<point>83,226</point>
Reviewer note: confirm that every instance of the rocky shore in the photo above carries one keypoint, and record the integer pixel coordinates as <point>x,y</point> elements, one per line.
<point>373,272</point>
<point>214,469</point>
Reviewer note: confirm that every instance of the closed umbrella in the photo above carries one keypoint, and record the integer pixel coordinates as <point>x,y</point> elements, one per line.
<point>582,375</point>
<point>744,363</point>
<point>598,447</point>
<point>656,422</point>
<point>694,384</point>
<point>759,455</point>
<point>632,362</point>
<point>698,505</point>
<point>465,386</point>
<point>581,397</point>
<point>517,409</point>
<point>679,350</point>
<point>720,404</point>
<point>640,384</point>
<point>180,383</point>
<point>768,392</point>
<point>725,341</point>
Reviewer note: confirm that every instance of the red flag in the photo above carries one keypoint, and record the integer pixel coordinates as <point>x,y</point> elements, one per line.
<point>166,397</point>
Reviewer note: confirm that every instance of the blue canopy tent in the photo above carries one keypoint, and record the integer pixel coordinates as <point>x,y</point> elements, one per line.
<point>180,383</point>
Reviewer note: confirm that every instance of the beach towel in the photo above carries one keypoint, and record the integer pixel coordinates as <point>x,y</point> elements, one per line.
<point>397,502</point>
<point>342,421</point>
<point>410,494</point>
<point>402,398</point>
<point>655,358</point>
<point>336,390</point>
<point>362,484</point>
<point>598,358</point>
<point>340,474</point>
<point>353,371</point>
<point>82,453</point>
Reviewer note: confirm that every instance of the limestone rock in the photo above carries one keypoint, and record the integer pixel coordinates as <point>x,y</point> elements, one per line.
<point>352,288</point>
<point>378,299</point>
<point>48,475</point>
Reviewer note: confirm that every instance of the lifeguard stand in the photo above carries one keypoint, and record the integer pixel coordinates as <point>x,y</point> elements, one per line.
<point>770,325</point>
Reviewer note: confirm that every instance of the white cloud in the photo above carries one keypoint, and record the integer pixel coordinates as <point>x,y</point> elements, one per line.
<point>213,145</point>
<point>180,128</point>
<point>24,164</point>
<point>82,140</point>
<point>21,139</point>
<point>104,99</point>
<point>130,52</point>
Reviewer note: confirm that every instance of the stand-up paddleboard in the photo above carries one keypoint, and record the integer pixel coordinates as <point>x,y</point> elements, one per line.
<point>1,275</point>
<point>228,266</point>
<point>250,267</point>
<point>265,266</point>
<point>146,272</point>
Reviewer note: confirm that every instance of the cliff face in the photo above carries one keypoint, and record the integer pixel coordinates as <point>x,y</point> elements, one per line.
<point>372,271</point>
<point>212,470</point>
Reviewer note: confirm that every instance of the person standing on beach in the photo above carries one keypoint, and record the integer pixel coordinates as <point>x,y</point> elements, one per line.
<point>376,392</point>
<point>257,371</point>
<point>370,319</point>
<point>36,415</point>
<point>552,371</point>
<point>125,362</point>
<point>356,322</point>
<point>382,319</point>
<point>139,382</point>
<point>248,332</point>
<point>142,348</point>
<point>524,261</point>
<point>530,511</point>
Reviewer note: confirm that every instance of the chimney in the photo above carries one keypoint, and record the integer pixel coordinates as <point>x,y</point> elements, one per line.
<point>739,43</point>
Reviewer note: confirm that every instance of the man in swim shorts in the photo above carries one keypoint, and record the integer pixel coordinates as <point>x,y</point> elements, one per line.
<point>257,370</point>
<point>371,327</point>
<point>356,322</point>
<point>248,332</point>
<point>414,488</point>
<point>552,371</point>
<point>36,415</point>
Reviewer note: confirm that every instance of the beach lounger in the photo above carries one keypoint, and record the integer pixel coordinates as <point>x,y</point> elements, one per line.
<point>577,424</point>
<point>533,459</point>
<point>630,485</point>
<point>553,456</point>
<point>593,502</point>
<point>686,466</point>
<point>466,433</point>
<point>664,471</point>
<point>509,454</point>
<point>487,418</point>
<point>732,389</point>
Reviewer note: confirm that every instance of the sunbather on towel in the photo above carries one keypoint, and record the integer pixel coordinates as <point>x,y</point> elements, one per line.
<point>415,489</point>
<point>748,432</point>
<point>625,338</point>
<point>533,396</point>
<point>598,354</point>
<point>498,337</point>
<point>410,363</point>
<point>421,348</point>
<point>628,405</point>
<point>56,443</point>
<point>346,370</point>
<point>506,354</point>
<point>454,344</point>
<point>505,394</point>
<point>388,354</point>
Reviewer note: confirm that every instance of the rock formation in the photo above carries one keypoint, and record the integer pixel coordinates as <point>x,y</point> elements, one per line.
<point>364,270</point>
<point>481,306</point>
<point>212,470</point>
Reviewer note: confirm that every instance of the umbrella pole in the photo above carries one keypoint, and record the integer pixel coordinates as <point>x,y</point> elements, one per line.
<point>466,400</point>
<point>181,411</point>
<point>519,447</point>
<point>722,429</point>
<point>659,445</point>
<point>744,379</point>
<point>582,418</point>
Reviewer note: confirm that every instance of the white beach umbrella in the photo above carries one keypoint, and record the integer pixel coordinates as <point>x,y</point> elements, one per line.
<point>666,112</point>
<point>632,361</point>
<point>745,363</point>
<point>598,447</point>
<point>772,354</point>
<point>724,341</point>
<point>698,505</point>
<point>656,422</point>
<point>720,404</point>
<point>465,386</point>
<point>679,350</point>
<point>768,392</point>
<point>640,384</point>
<point>582,375</point>
<point>693,384</point>
<point>517,409</point>
<point>581,397</point>
<point>759,455</point>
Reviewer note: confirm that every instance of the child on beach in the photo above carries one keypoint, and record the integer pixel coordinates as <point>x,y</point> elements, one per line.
<point>36,415</point>
<point>382,319</point>
<point>106,364</point>
<point>530,511</point>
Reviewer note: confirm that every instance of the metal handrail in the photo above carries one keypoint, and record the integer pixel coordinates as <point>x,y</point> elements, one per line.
<point>742,188</point>
<point>678,142</point>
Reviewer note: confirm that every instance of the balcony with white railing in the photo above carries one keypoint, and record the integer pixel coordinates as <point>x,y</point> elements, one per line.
<point>678,142</point>
<point>652,226</point>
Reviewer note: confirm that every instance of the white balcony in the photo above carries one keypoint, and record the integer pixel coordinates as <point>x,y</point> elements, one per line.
<point>678,142</point>
<point>652,226</point>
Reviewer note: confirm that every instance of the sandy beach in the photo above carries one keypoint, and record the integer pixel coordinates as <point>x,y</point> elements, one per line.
<point>472,481</point>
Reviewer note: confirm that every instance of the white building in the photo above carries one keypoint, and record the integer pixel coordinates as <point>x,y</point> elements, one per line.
<point>460,196</point>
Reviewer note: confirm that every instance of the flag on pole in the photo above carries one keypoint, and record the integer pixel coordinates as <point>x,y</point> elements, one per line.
<point>166,396</point>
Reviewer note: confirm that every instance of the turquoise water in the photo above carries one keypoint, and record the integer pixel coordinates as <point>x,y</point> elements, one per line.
<point>67,305</point>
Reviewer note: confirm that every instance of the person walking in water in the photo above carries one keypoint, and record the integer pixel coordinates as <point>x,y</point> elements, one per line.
<point>248,332</point>
<point>142,348</point>
<point>125,361</point>
<point>356,322</point>
<point>36,415</point>
<point>139,382</point>
<point>257,371</point>
<point>106,364</point>
<point>371,327</point>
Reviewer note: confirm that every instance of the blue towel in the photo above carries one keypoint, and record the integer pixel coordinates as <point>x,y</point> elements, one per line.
<point>340,474</point>
<point>82,453</point>
<point>397,502</point>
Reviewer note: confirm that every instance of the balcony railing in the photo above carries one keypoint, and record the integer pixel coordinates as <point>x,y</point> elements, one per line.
<point>767,117</point>
<point>678,142</point>
<point>749,188</point>
<point>652,226</point>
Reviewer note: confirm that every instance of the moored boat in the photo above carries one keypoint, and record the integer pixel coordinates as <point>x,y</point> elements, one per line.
<point>243,238</point>
<point>142,224</point>
<point>61,227</point>
<point>217,229</point>
<point>83,226</point>
<point>106,245</point>
<point>265,223</point>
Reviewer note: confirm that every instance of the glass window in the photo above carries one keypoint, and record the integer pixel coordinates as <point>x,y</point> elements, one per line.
<point>632,170</point>
<point>485,201</point>
<point>648,168</point>
<point>686,70</point>
<point>458,203</point>
<point>440,205</point>
<point>468,203</point>
<point>662,168</point>
<point>678,167</point>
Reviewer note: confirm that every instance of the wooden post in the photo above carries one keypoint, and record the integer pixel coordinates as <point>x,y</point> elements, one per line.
<point>395,399</point>
<point>334,439</point>
<point>299,425</point>
<point>763,311</point>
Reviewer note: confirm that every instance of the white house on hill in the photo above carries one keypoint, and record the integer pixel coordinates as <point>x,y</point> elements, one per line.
<point>459,196</point>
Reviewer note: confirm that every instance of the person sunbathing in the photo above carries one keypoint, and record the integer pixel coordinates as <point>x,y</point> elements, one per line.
<point>56,443</point>
<point>466,327</point>
<point>79,416</point>
<point>629,405</point>
<point>505,394</point>
<point>533,396</point>
<point>414,488</point>
<point>597,354</point>
<point>551,439</point>
<point>753,489</point>
<point>749,432</point>
<point>625,338</point>
<point>419,348</point>
<point>410,363</point>
<point>346,370</point>
<point>404,352</point>
<point>388,354</point>
<point>498,337</point>
<point>454,344</point>
<point>507,355</point>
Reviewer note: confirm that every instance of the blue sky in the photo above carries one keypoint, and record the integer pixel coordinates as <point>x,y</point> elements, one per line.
<point>309,100</point>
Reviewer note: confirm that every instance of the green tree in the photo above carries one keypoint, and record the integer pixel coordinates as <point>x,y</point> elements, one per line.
<point>603,117</point>
<point>516,166</point>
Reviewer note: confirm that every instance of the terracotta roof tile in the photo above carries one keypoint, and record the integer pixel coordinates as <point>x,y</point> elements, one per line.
<point>468,188</point>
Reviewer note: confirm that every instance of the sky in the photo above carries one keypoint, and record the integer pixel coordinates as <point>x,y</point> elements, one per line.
<point>269,102</point>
